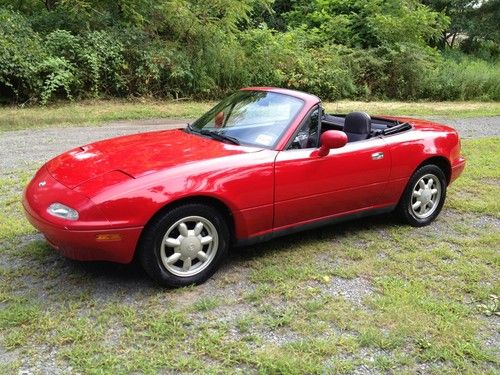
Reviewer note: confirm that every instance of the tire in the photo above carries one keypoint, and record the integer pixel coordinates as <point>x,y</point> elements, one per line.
<point>169,250</point>
<point>430,195</point>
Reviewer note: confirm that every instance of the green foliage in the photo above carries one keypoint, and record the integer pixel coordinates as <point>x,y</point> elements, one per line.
<point>474,26</point>
<point>189,48</point>
<point>103,60</point>
<point>368,23</point>
<point>392,71</point>
<point>20,55</point>
<point>465,79</point>
<point>58,75</point>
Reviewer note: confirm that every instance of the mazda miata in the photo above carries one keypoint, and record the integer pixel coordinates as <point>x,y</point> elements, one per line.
<point>262,163</point>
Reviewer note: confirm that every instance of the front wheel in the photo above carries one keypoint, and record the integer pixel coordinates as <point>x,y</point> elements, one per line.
<point>184,246</point>
<point>424,196</point>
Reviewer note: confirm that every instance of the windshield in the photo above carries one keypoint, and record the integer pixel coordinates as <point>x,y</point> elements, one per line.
<point>256,118</point>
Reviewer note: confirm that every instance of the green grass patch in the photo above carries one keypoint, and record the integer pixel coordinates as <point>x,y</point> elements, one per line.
<point>395,108</point>
<point>96,112</point>
<point>205,304</point>
<point>478,189</point>
<point>12,221</point>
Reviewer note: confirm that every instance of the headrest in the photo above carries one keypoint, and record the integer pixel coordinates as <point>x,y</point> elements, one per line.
<point>358,122</point>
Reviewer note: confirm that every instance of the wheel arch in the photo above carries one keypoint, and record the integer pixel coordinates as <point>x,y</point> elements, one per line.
<point>440,161</point>
<point>216,203</point>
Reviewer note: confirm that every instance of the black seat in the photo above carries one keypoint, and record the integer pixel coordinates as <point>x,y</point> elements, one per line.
<point>357,126</point>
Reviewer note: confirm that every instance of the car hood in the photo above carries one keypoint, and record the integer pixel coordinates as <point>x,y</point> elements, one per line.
<point>137,155</point>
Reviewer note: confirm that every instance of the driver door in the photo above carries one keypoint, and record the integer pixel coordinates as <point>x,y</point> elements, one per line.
<point>348,179</point>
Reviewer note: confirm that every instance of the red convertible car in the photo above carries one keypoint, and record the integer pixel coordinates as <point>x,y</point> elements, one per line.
<point>262,163</point>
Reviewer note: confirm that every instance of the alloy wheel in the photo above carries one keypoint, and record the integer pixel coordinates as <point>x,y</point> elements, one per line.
<point>189,246</point>
<point>426,195</point>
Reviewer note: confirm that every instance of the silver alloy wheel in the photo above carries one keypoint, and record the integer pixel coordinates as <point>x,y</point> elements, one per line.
<point>189,246</point>
<point>425,197</point>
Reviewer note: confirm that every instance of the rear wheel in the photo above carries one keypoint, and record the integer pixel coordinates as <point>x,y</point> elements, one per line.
<point>424,196</point>
<point>185,246</point>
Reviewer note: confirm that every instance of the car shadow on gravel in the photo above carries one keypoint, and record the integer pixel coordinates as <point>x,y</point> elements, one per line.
<point>107,281</point>
<point>133,275</point>
<point>47,277</point>
<point>288,242</point>
<point>336,231</point>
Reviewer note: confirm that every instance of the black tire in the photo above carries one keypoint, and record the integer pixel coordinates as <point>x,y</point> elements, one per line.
<point>404,208</point>
<point>150,246</point>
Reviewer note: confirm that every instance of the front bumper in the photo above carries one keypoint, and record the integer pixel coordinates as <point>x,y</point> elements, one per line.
<point>76,239</point>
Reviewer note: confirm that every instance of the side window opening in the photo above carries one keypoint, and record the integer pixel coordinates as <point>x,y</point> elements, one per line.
<point>308,134</point>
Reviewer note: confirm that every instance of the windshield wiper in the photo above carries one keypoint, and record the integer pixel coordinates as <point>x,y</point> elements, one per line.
<point>219,136</point>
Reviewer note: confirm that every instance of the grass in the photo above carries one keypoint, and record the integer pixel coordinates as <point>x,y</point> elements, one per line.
<point>479,187</point>
<point>414,299</point>
<point>96,112</point>
<point>444,109</point>
<point>102,111</point>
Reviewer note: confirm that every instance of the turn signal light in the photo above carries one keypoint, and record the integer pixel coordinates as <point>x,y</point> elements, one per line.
<point>108,237</point>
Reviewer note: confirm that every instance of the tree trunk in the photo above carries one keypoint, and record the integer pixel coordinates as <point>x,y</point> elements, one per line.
<point>453,40</point>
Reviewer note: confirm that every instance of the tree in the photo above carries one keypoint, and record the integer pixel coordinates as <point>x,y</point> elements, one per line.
<point>368,23</point>
<point>475,21</point>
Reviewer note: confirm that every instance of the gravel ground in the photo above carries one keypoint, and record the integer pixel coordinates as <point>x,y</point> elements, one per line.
<point>35,146</point>
<point>29,146</point>
<point>472,127</point>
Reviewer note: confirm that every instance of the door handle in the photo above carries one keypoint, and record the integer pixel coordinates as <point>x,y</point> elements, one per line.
<point>377,155</point>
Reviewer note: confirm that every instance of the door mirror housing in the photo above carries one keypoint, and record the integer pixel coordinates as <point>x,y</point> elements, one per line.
<point>330,139</point>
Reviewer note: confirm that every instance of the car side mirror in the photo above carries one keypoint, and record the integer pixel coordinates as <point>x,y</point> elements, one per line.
<point>328,140</point>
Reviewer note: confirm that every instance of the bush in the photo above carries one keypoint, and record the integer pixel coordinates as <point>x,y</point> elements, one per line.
<point>467,79</point>
<point>284,59</point>
<point>58,78</point>
<point>395,72</point>
<point>103,64</point>
<point>205,51</point>
<point>20,56</point>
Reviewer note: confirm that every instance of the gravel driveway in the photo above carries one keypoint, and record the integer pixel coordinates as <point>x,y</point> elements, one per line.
<point>23,147</point>
<point>472,127</point>
<point>34,146</point>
